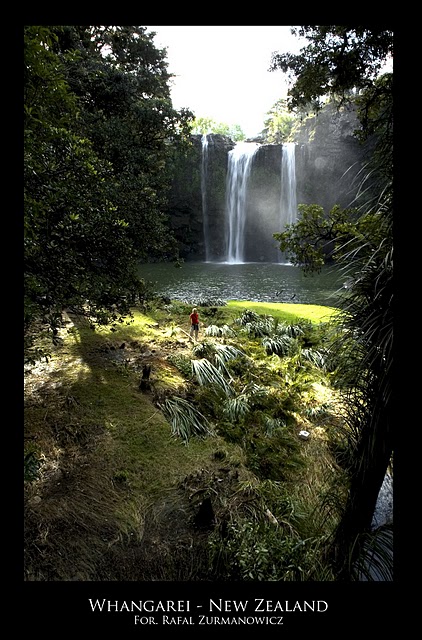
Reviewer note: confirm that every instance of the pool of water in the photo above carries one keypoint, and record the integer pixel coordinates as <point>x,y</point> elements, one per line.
<point>257,281</point>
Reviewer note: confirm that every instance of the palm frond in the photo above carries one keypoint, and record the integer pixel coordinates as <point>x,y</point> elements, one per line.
<point>316,357</point>
<point>292,330</point>
<point>203,349</point>
<point>237,407</point>
<point>375,561</point>
<point>247,316</point>
<point>272,425</point>
<point>225,352</point>
<point>207,374</point>
<point>186,421</point>
<point>281,345</point>
<point>255,390</point>
<point>214,330</point>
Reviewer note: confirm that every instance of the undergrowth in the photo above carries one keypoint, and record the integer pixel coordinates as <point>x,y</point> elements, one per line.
<point>111,465</point>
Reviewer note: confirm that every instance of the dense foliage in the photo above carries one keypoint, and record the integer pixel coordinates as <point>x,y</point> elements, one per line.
<point>339,61</point>
<point>345,63</point>
<point>99,134</point>
<point>203,126</point>
<point>278,124</point>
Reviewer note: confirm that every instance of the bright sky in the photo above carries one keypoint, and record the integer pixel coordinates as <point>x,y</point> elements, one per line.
<point>222,71</point>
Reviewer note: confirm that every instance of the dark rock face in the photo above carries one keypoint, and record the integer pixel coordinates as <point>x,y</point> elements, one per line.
<point>328,161</point>
<point>214,196</point>
<point>186,210</point>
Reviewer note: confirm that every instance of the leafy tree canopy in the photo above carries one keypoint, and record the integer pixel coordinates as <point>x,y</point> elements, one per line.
<point>99,133</point>
<point>202,126</point>
<point>317,237</point>
<point>279,123</point>
<point>337,61</point>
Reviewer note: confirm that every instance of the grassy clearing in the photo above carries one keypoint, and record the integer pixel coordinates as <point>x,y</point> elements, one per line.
<point>104,450</point>
<point>287,312</point>
<point>112,481</point>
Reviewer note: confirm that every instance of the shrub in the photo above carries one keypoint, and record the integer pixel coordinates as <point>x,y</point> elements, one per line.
<point>182,363</point>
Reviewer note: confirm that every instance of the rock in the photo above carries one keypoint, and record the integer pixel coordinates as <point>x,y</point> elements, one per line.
<point>304,435</point>
<point>383,513</point>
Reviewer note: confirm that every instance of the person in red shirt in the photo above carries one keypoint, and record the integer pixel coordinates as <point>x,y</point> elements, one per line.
<point>194,323</point>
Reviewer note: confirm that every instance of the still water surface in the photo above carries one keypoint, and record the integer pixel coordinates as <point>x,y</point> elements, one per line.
<point>257,281</point>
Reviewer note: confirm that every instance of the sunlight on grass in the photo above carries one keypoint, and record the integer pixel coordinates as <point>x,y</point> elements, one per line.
<point>97,424</point>
<point>286,311</point>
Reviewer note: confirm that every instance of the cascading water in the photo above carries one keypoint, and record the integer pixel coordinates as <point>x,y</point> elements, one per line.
<point>204,182</point>
<point>239,167</point>
<point>288,202</point>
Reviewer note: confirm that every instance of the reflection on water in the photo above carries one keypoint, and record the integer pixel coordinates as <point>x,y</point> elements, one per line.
<point>257,281</point>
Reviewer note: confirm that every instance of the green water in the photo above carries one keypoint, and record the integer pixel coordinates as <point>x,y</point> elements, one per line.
<point>269,282</point>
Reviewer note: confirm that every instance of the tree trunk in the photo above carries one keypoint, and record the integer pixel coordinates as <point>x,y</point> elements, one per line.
<point>372,456</point>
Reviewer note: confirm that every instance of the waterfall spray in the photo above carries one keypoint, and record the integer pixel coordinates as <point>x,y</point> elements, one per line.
<point>288,202</point>
<point>239,167</point>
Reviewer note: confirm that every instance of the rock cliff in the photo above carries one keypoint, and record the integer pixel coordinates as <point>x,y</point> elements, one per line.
<point>328,161</point>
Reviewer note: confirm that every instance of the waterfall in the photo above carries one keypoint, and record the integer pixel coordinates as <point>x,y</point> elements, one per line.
<point>204,182</point>
<point>288,202</point>
<point>239,167</point>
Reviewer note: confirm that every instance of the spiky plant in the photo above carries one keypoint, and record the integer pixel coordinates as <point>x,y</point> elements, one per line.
<point>209,302</point>
<point>207,374</point>
<point>317,357</point>
<point>225,352</point>
<point>217,354</point>
<point>271,425</point>
<point>236,407</point>
<point>213,330</point>
<point>247,316</point>
<point>260,328</point>
<point>224,331</point>
<point>292,330</point>
<point>186,421</point>
<point>281,345</point>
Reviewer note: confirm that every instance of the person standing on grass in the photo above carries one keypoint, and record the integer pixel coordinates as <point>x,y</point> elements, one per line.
<point>194,323</point>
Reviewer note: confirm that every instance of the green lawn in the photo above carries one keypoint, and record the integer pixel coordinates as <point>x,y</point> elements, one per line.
<point>288,312</point>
